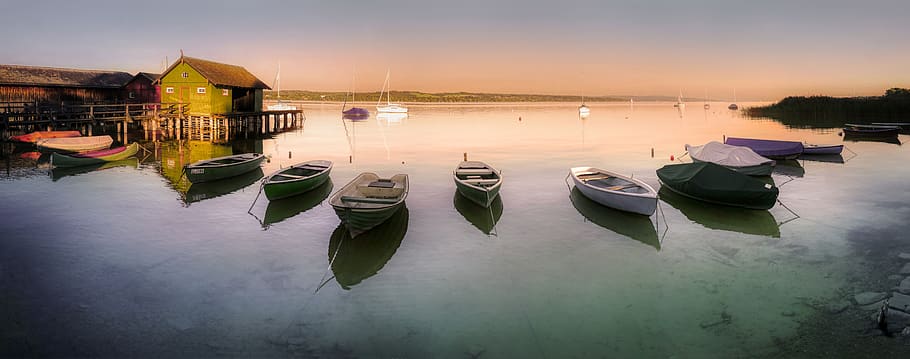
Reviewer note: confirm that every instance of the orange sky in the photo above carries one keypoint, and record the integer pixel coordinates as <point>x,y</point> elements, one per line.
<point>766,50</point>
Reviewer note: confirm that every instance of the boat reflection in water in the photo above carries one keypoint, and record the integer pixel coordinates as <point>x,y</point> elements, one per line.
<point>790,168</point>
<point>869,138</point>
<point>59,172</point>
<point>354,259</point>
<point>281,209</point>
<point>391,118</point>
<point>205,190</point>
<point>484,219</point>
<point>726,218</point>
<point>635,226</point>
<point>838,158</point>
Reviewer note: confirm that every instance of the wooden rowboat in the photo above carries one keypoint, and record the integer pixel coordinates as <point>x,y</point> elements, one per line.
<point>94,157</point>
<point>40,135</point>
<point>297,179</point>
<point>822,149</point>
<point>876,131</point>
<point>478,182</point>
<point>222,167</point>
<point>75,144</point>
<point>369,200</point>
<point>615,190</point>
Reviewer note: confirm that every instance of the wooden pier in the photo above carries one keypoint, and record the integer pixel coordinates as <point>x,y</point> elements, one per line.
<point>158,121</point>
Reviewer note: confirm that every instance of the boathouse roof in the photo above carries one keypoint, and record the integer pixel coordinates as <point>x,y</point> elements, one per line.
<point>152,77</point>
<point>222,74</point>
<point>19,75</point>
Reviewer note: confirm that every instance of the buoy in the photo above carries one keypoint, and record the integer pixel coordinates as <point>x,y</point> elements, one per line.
<point>289,154</point>
<point>652,152</point>
<point>465,156</point>
<point>671,157</point>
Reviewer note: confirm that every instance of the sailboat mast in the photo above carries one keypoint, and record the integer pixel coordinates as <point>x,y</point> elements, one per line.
<point>278,81</point>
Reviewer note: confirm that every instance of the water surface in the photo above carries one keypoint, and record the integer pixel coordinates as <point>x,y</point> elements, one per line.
<point>130,260</point>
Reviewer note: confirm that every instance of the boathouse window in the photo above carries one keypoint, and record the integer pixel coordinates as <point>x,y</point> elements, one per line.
<point>200,90</point>
<point>185,75</point>
<point>132,94</point>
<point>225,92</point>
<point>169,90</point>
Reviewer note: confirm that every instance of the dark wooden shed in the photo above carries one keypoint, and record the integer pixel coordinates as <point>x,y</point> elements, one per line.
<point>48,85</point>
<point>143,89</point>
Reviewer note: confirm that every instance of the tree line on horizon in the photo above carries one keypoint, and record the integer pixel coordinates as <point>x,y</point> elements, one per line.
<point>415,96</point>
<point>829,112</point>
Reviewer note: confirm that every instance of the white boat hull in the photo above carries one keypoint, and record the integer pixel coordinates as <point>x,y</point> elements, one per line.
<point>640,203</point>
<point>392,108</point>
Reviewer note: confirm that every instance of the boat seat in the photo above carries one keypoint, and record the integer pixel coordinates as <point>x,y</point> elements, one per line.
<point>621,187</point>
<point>368,199</point>
<point>290,176</point>
<point>311,167</point>
<point>595,178</point>
<point>382,184</point>
<point>474,172</point>
<point>481,182</point>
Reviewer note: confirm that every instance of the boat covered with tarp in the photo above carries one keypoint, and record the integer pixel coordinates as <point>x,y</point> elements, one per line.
<point>773,149</point>
<point>738,158</point>
<point>714,183</point>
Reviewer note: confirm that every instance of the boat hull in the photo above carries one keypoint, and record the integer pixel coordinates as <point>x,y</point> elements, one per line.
<point>478,182</point>
<point>75,144</point>
<point>712,183</point>
<point>773,149</point>
<point>40,135</point>
<point>61,160</point>
<point>823,149</point>
<point>360,211</point>
<point>283,189</point>
<point>872,132</point>
<point>201,173</point>
<point>639,203</point>
<point>391,109</point>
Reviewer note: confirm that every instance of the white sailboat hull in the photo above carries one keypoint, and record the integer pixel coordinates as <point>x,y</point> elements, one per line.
<point>392,108</point>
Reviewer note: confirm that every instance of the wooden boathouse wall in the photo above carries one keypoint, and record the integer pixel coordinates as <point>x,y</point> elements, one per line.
<point>48,85</point>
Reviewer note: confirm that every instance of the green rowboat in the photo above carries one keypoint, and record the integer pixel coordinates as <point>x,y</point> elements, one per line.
<point>714,183</point>
<point>478,182</point>
<point>93,158</point>
<point>222,167</point>
<point>296,179</point>
<point>368,200</point>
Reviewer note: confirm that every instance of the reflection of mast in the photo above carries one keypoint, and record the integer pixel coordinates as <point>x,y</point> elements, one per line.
<point>385,143</point>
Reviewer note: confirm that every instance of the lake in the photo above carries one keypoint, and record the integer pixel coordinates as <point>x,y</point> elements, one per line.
<point>131,260</point>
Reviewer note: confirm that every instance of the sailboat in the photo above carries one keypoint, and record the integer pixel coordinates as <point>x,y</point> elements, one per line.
<point>353,112</point>
<point>707,105</point>
<point>583,110</point>
<point>679,102</point>
<point>733,105</point>
<point>280,106</point>
<point>389,106</point>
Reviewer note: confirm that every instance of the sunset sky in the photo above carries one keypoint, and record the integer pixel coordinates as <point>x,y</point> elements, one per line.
<point>765,49</point>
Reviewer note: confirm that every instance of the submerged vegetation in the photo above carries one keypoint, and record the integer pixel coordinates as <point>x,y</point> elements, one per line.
<point>827,112</point>
<point>414,96</point>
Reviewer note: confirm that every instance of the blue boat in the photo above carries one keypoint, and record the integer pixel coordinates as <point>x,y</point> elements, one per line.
<point>773,149</point>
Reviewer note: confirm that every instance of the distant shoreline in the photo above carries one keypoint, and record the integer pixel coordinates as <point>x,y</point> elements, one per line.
<point>413,97</point>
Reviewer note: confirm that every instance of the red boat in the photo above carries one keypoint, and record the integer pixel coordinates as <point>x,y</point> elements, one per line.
<point>39,135</point>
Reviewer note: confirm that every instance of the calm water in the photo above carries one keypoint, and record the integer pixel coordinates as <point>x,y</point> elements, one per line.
<point>129,261</point>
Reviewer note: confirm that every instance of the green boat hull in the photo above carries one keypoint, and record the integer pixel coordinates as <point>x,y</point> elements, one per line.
<point>61,160</point>
<point>279,190</point>
<point>208,174</point>
<point>359,220</point>
<point>285,208</point>
<point>482,198</point>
